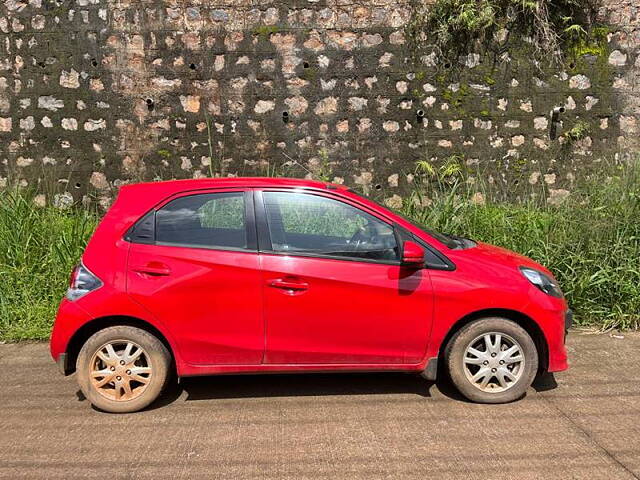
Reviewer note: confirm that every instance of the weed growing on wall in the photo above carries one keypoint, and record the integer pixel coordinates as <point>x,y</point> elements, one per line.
<point>580,130</point>
<point>549,26</point>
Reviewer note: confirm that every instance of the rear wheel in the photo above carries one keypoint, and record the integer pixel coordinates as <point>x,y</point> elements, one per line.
<point>122,369</point>
<point>492,360</point>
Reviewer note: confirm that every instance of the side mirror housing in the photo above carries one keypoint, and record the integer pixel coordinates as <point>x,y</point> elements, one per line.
<point>412,254</point>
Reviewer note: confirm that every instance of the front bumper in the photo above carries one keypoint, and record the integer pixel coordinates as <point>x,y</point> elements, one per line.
<point>554,324</point>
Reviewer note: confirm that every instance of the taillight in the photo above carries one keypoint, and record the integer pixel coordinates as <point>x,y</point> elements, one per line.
<point>82,281</point>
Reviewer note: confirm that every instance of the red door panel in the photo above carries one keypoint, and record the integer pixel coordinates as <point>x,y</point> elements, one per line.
<point>210,300</point>
<point>320,311</point>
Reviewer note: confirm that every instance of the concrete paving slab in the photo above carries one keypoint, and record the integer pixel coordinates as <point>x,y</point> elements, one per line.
<point>585,424</point>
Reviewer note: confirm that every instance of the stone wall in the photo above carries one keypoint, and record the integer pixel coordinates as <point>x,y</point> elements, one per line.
<point>95,93</point>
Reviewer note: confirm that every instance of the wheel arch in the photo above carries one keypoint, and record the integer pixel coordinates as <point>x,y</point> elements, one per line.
<point>85,331</point>
<point>526,322</point>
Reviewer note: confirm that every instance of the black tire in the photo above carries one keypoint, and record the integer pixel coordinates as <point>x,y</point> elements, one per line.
<point>460,374</point>
<point>157,360</point>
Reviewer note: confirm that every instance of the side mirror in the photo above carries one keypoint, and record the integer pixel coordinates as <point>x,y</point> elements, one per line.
<point>412,254</point>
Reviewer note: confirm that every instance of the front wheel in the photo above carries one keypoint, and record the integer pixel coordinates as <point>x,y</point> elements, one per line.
<point>492,360</point>
<point>122,369</point>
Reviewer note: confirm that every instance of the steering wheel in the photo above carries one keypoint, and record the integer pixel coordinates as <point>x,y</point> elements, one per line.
<point>361,237</point>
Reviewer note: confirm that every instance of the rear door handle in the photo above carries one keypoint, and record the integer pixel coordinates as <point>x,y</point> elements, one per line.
<point>288,284</point>
<point>156,270</point>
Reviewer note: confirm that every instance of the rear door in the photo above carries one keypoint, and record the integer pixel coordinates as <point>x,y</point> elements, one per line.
<point>335,292</point>
<point>194,265</point>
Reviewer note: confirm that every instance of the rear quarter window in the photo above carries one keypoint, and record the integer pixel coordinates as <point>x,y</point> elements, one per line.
<point>207,220</point>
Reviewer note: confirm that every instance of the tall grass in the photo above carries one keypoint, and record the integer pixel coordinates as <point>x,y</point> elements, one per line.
<point>38,248</point>
<point>591,242</point>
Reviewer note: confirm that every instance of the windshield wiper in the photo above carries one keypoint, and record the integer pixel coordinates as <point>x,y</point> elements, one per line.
<point>460,242</point>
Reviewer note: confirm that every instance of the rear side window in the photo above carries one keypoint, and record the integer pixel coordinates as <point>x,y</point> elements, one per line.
<point>212,220</point>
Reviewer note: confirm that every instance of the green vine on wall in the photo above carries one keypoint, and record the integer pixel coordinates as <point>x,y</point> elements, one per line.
<point>553,28</point>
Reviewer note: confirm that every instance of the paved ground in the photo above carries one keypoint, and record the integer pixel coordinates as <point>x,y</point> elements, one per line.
<point>329,426</point>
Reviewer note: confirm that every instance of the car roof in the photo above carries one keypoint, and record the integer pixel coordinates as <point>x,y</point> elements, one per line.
<point>230,182</point>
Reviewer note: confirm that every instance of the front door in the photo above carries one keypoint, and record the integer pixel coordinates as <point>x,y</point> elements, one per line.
<point>199,276</point>
<point>335,292</point>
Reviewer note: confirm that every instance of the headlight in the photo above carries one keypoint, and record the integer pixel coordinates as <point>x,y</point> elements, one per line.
<point>545,283</point>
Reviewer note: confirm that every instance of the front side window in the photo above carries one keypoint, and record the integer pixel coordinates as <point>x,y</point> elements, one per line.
<point>305,223</point>
<point>211,220</point>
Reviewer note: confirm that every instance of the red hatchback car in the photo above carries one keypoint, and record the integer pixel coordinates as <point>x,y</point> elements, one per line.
<point>213,276</point>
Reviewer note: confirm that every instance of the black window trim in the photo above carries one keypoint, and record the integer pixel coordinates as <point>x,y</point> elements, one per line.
<point>130,233</point>
<point>249,214</point>
<point>448,265</point>
<point>264,237</point>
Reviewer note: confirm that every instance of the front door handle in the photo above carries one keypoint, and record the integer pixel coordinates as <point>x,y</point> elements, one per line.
<point>154,269</point>
<point>288,284</point>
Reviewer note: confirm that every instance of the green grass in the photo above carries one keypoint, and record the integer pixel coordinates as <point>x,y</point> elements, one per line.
<point>38,249</point>
<point>591,242</point>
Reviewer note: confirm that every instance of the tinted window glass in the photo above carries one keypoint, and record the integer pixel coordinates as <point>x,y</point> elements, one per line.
<point>144,231</point>
<point>205,220</point>
<point>301,222</point>
<point>447,240</point>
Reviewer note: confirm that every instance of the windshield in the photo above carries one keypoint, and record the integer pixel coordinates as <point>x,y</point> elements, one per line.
<point>451,241</point>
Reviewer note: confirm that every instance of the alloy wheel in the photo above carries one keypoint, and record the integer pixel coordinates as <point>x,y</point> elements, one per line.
<point>120,370</point>
<point>493,362</point>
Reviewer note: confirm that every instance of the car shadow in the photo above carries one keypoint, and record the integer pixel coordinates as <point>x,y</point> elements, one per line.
<point>292,385</point>
<point>544,382</point>
<point>221,387</point>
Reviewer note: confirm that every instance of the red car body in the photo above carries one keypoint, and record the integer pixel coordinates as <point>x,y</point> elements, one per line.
<point>228,311</point>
